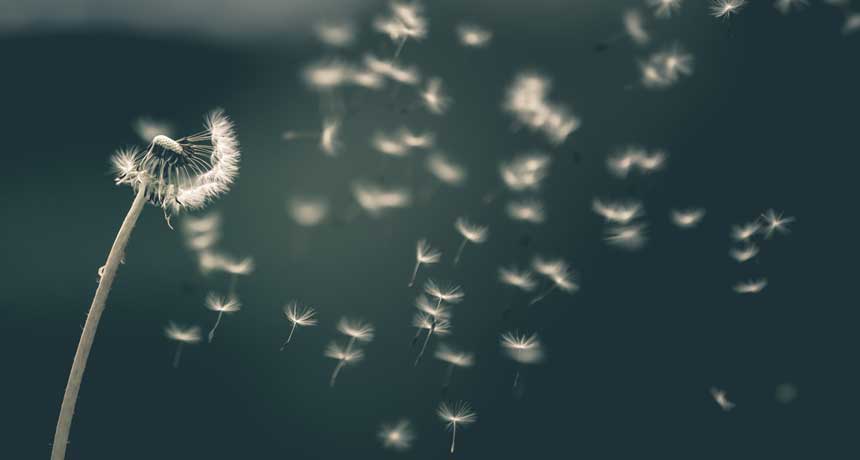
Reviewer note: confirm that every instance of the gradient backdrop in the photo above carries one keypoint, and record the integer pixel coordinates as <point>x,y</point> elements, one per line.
<point>767,120</point>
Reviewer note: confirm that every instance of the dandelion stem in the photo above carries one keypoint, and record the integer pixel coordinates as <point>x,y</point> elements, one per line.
<point>460,251</point>
<point>76,375</point>
<point>177,355</point>
<point>336,371</point>
<point>516,379</point>
<point>414,273</point>
<point>453,437</point>
<point>546,293</point>
<point>427,340</point>
<point>289,337</point>
<point>217,322</point>
<point>399,48</point>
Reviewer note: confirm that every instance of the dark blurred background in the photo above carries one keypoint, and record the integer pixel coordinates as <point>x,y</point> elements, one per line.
<point>767,120</point>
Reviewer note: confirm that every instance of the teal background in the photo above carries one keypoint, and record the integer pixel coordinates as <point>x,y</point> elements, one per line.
<point>767,120</point>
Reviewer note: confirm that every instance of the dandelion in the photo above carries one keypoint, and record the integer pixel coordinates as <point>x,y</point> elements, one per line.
<point>472,233</point>
<point>774,222</point>
<point>174,174</point>
<point>182,335</point>
<point>665,8</point>
<point>434,98</point>
<point>298,315</point>
<point>687,218</point>
<point>397,436</point>
<point>459,413</point>
<point>308,211</point>
<point>453,358</point>
<point>221,305</point>
<point>751,286</point>
<point>525,172</point>
<point>406,21</point>
<point>726,8</point>
<point>424,255</point>
<point>745,253</point>
<point>526,210</point>
<point>630,237</point>
<point>147,128</point>
<point>376,199</point>
<point>617,212</point>
<point>721,399</point>
<point>445,170</point>
<point>335,34</point>
<point>746,231</point>
<point>344,357</point>
<point>473,36</point>
<point>523,349</point>
<point>442,293</point>
<point>558,272</point>
<point>521,279</point>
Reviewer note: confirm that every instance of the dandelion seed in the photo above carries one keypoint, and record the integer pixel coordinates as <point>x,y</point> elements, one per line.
<point>355,329</point>
<point>746,231</point>
<point>298,315</point>
<point>206,223</point>
<point>329,142</point>
<point>174,174</point>
<point>423,321</point>
<point>630,237</point>
<point>442,293</point>
<point>389,69</point>
<point>326,75</point>
<point>335,34</point>
<point>436,314</point>
<point>424,255</point>
<point>406,21</point>
<point>852,24</point>
<point>526,100</point>
<point>202,242</point>
<point>558,272</point>
<point>473,36</point>
<point>447,293</point>
<point>434,98</point>
<point>375,199</point>
<point>666,67</point>
<point>147,128</point>
<point>745,253</point>
<point>527,210</point>
<point>786,6</point>
<point>472,233</point>
<point>721,399</point>
<point>454,358</point>
<point>617,212</point>
<point>182,335</point>
<point>397,436</point>
<point>751,286</point>
<point>665,8</point>
<point>687,218</point>
<point>522,279</point>
<point>525,172</point>
<point>236,268</point>
<point>221,305</point>
<point>523,349</point>
<point>634,26</point>
<point>457,414</point>
<point>438,310</point>
<point>416,140</point>
<point>344,356</point>
<point>308,211</point>
<point>390,146</point>
<point>774,222</point>
<point>445,170</point>
<point>726,8</point>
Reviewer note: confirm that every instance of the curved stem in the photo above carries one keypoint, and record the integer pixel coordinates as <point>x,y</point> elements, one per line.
<point>334,374</point>
<point>424,347</point>
<point>460,251</point>
<point>289,337</point>
<point>414,273</point>
<point>76,375</point>
<point>217,322</point>
<point>453,437</point>
<point>546,293</point>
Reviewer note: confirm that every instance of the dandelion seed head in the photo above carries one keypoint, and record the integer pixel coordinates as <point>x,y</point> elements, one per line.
<point>351,356</point>
<point>473,232</point>
<point>687,218</point>
<point>630,237</point>
<point>634,26</point>
<point>775,222</point>
<point>445,292</point>
<point>397,436</point>
<point>473,35</point>
<point>751,286</point>
<point>308,211</point>
<point>529,210</point>
<point>726,8</point>
<point>522,279</point>
<point>458,413</point>
<point>300,315</point>
<point>356,329</point>
<point>222,304</point>
<point>454,357</point>
<point>424,254</point>
<point>178,333</point>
